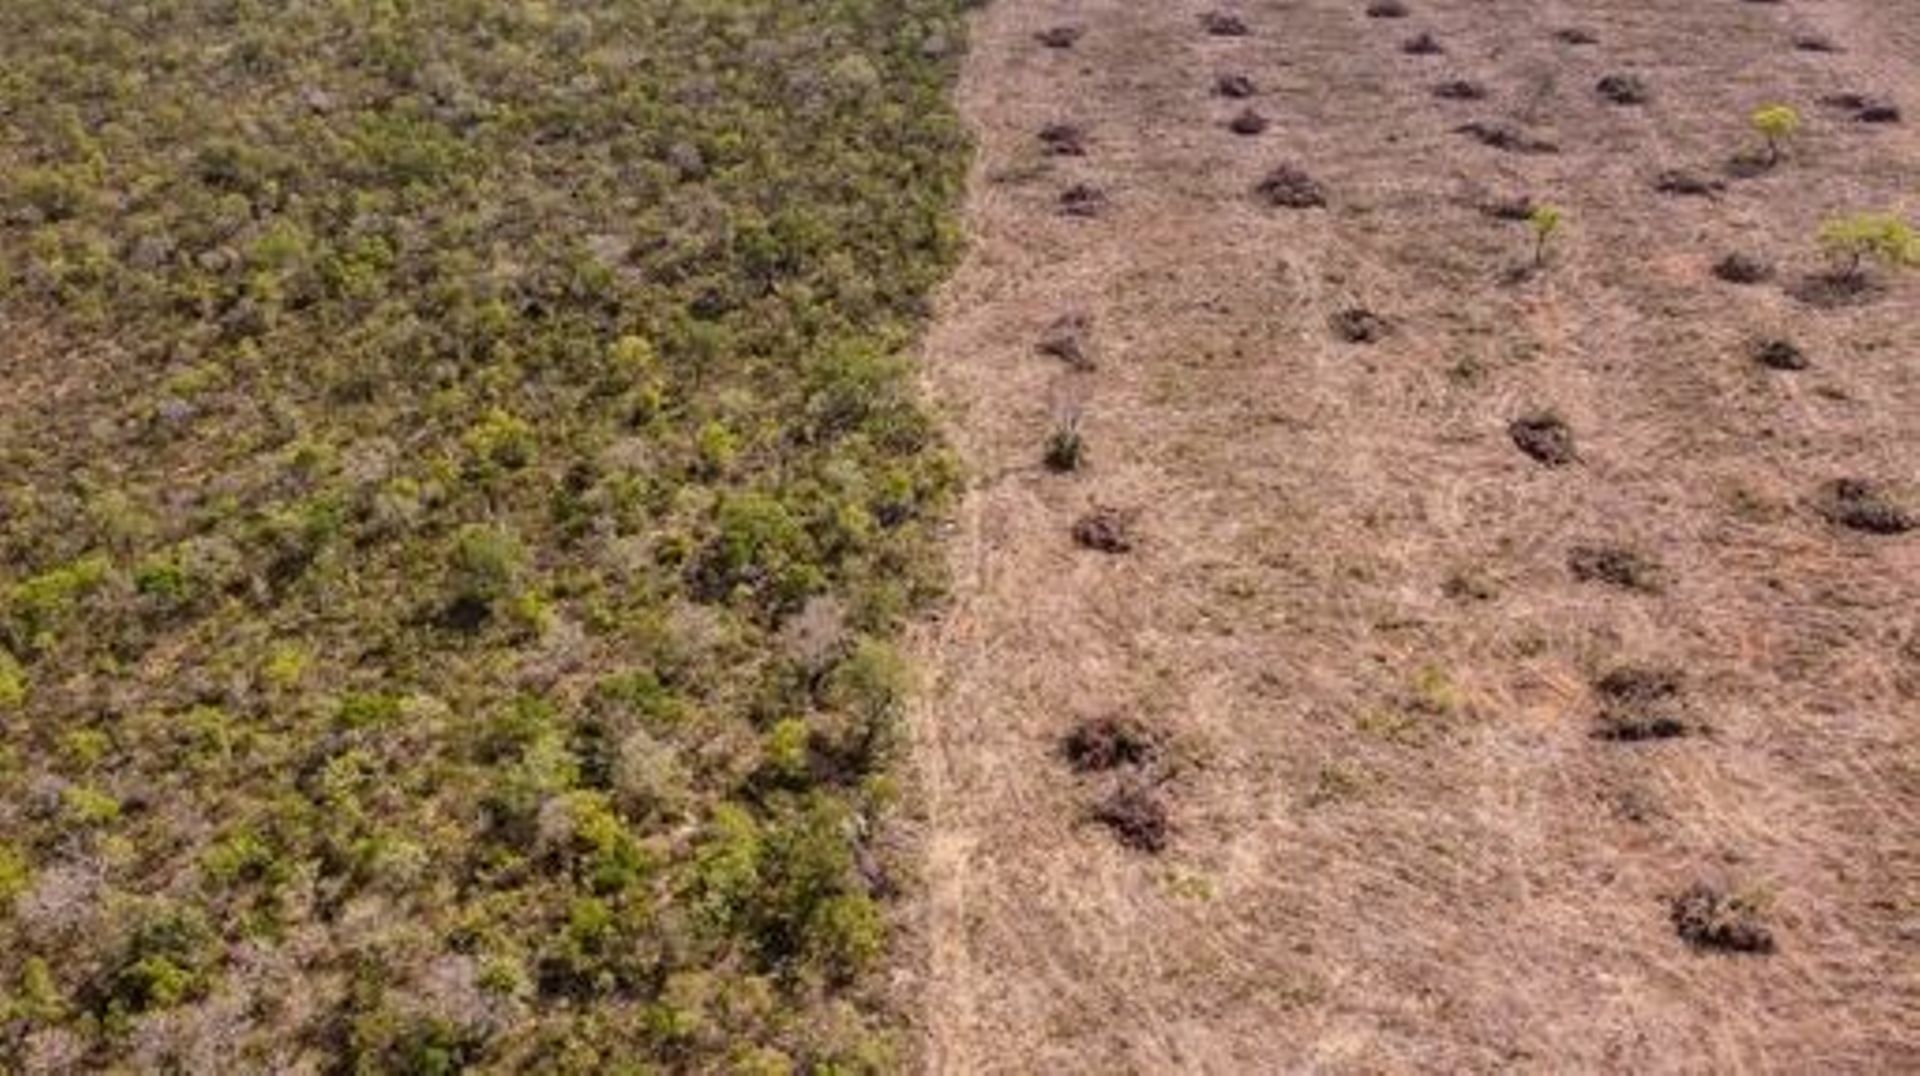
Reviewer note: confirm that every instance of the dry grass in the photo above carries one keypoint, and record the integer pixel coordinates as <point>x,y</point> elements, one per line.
<point>1399,846</point>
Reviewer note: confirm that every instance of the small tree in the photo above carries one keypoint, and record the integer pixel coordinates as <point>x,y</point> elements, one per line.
<point>1776,124</point>
<point>1854,240</point>
<point>1545,222</point>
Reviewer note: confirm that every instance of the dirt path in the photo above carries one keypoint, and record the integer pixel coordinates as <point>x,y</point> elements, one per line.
<point>1398,845</point>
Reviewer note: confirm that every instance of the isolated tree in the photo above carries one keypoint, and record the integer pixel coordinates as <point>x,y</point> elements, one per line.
<point>1776,124</point>
<point>1855,240</point>
<point>1545,222</point>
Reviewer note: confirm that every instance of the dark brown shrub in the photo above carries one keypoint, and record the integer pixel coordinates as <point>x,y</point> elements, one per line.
<point>1460,89</point>
<point>1779,355</point>
<point>1544,437</point>
<point>1623,89</point>
<point>1083,200</point>
<point>1106,530</point>
<point>1109,743</point>
<point>1064,139</point>
<point>1223,24</point>
<point>1236,86</point>
<point>1288,187</point>
<point>1060,37</point>
<point>1136,815</point>
<point>1614,566</point>
<point>1737,268</point>
<point>1706,918</point>
<point>1248,122</point>
<point>1860,505</point>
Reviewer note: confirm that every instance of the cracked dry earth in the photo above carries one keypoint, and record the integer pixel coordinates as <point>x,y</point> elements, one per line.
<point>1399,840</point>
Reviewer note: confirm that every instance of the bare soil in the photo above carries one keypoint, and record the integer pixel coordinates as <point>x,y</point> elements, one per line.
<point>1399,846</point>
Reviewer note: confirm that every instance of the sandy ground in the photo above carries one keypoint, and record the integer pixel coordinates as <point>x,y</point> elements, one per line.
<point>1397,844</point>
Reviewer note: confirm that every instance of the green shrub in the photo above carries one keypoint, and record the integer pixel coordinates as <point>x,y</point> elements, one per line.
<point>84,748</point>
<point>164,962</point>
<point>1066,448</point>
<point>39,996</point>
<point>39,604</point>
<point>16,874</point>
<point>88,806</point>
<point>501,441</point>
<point>487,566</point>
<point>762,551</point>
<point>1863,237</point>
<point>285,666</point>
<point>791,887</point>
<point>1776,124</point>
<point>1544,221</point>
<point>13,683</point>
<point>243,856</point>
<point>163,579</point>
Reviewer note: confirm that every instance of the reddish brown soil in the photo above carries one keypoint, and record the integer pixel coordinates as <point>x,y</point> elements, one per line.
<point>1397,844</point>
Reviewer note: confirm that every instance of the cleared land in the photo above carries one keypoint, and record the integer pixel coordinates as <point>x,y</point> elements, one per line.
<point>1446,735</point>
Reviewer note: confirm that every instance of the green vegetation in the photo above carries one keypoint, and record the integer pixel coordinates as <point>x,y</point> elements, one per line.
<point>461,475</point>
<point>1855,240</point>
<point>1544,221</point>
<point>1066,448</point>
<point>1776,124</point>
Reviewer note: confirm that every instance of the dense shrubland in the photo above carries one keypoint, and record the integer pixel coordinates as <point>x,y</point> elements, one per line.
<point>459,472</point>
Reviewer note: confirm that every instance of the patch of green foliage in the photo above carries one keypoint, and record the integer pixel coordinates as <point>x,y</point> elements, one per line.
<point>1544,222</point>
<point>429,426</point>
<point>1855,240</point>
<point>1776,124</point>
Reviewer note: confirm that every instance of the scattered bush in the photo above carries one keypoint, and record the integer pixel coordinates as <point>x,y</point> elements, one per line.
<point>1067,339</point>
<point>1779,355</point>
<point>1112,742</point>
<point>1614,566</point>
<point>1083,200</point>
<point>1544,437</point>
<point>1358,325</point>
<point>1136,815</point>
<point>1640,703</point>
<point>1234,86</point>
<point>1738,268</point>
<point>1061,37</point>
<point>1066,449</point>
<point>1289,187</point>
<point>1623,89</point>
<point>1423,44</point>
<point>1248,121</point>
<point>1223,24</point>
<point>1707,918</point>
<point>1776,125</point>
<point>1460,89</point>
<point>1544,222</point>
<point>1680,181</point>
<point>1860,505</point>
<point>1064,139</point>
<point>1858,240</point>
<point>1105,530</point>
